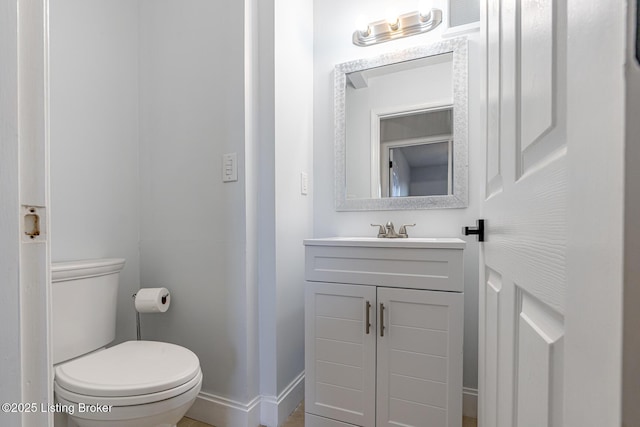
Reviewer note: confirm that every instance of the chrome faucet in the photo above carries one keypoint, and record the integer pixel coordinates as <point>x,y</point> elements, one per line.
<point>388,231</point>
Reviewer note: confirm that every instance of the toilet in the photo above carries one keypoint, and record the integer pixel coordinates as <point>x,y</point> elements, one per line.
<point>132,384</point>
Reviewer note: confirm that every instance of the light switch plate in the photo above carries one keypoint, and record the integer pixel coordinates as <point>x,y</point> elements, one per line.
<point>229,167</point>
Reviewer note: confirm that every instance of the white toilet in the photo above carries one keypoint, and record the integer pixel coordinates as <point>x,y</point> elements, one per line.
<point>133,384</point>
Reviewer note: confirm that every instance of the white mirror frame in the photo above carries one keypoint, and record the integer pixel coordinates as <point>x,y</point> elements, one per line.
<point>459,198</point>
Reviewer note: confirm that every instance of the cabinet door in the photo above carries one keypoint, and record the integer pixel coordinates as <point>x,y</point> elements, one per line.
<point>419,374</point>
<point>340,351</point>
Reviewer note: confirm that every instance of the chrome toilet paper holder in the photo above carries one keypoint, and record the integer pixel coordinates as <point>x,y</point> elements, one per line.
<point>138,335</point>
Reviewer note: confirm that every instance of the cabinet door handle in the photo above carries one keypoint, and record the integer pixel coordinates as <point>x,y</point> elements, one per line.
<point>381,319</point>
<point>368,317</point>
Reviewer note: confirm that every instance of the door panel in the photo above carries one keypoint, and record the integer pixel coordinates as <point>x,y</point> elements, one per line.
<point>338,374</point>
<point>405,413</point>
<point>497,370</point>
<point>540,74</point>
<point>421,366</point>
<point>494,84</point>
<point>419,340</point>
<point>536,70</point>
<point>333,351</point>
<point>417,390</point>
<point>340,357</point>
<point>419,358</point>
<point>526,229</point>
<point>491,292</point>
<point>539,389</point>
<point>339,329</point>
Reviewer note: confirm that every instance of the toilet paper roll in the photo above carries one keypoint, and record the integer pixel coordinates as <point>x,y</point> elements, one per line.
<point>152,300</point>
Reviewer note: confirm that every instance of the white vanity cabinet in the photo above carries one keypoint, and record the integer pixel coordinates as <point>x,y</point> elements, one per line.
<point>382,346</point>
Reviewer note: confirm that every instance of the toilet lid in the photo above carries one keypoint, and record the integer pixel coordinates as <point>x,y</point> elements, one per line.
<point>129,369</point>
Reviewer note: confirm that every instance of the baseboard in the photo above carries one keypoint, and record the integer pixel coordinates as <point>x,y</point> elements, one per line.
<point>270,411</point>
<point>470,402</point>
<point>275,410</point>
<point>223,412</point>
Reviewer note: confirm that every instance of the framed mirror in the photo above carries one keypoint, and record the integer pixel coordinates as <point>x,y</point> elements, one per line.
<point>401,129</point>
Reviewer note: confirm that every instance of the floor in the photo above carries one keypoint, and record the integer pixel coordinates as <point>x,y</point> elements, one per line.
<point>297,420</point>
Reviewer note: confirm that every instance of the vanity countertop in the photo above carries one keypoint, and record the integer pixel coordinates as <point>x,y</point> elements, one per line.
<point>375,242</point>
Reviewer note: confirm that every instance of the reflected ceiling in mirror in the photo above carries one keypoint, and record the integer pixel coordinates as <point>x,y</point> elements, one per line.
<point>401,129</point>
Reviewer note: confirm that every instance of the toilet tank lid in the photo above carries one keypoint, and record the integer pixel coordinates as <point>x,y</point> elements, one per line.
<point>129,369</point>
<point>70,270</point>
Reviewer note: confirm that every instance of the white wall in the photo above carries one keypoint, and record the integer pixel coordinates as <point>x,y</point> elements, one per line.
<point>94,138</point>
<point>333,46</point>
<point>286,77</point>
<point>192,224</point>
<point>294,142</point>
<point>464,11</point>
<point>252,190</point>
<point>146,96</point>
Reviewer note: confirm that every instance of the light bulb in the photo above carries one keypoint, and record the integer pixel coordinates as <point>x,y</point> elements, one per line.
<point>424,8</point>
<point>393,22</point>
<point>362,25</point>
<point>392,18</point>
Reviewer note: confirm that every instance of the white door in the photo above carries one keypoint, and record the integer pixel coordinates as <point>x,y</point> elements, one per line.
<point>551,265</point>
<point>340,359</point>
<point>419,374</point>
<point>523,275</point>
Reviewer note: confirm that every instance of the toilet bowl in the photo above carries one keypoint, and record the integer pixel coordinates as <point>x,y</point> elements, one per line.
<point>132,384</point>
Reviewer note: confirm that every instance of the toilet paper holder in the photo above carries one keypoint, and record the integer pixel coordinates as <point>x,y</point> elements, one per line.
<point>138,334</point>
<point>163,300</point>
<point>138,337</point>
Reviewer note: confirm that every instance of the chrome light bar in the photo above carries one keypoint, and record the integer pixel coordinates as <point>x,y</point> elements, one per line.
<point>404,25</point>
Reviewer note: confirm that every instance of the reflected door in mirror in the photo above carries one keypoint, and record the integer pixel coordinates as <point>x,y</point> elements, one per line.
<point>416,153</point>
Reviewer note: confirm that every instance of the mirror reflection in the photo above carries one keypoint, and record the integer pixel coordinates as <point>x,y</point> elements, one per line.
<point>394,106</point>
<point>416,153</point>
<point>401,129</point>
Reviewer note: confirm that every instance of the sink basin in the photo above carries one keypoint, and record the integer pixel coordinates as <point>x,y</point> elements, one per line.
<point>373,242</point>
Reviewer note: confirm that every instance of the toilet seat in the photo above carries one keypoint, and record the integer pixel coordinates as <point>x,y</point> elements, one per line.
<point>143,415</point>
<point>131,373</point>
<point>127,400</point>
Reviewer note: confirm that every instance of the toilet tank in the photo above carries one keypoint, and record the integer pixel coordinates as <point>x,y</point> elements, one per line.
<point>84,299</point>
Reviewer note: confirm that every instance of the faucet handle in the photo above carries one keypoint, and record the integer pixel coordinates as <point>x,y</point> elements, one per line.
<point>382,232</point>
<point>403,229</point>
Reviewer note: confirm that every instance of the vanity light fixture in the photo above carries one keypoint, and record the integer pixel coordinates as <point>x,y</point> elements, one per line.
<point>404,25</point>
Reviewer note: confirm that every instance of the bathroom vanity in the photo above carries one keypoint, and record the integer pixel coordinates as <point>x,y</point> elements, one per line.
<point>383,332</point>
